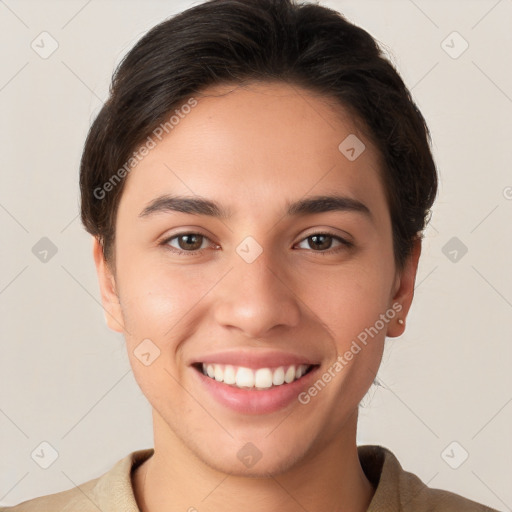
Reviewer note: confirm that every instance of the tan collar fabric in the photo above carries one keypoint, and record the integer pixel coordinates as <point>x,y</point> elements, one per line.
<point>396,490</point>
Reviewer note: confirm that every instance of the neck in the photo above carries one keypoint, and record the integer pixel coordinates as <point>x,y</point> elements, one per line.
<point>174,479</point>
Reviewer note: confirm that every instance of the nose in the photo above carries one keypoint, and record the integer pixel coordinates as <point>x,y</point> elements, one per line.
<point>257,297</point>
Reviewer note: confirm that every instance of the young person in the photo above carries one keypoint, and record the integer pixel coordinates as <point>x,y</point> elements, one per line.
<point>257,186</point>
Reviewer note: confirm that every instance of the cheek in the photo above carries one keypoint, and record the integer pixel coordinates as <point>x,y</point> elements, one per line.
<point>350,298</point>
<point>163,302</point>
<point>159,307</point>
<point>156,301</point>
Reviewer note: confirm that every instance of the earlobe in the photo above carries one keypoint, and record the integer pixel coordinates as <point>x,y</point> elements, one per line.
<point>404,290</point>
<point>109,297</point>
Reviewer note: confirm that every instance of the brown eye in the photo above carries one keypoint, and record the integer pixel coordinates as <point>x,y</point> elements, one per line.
<point>190,241</point>
<point>186,242</point>
<point>323,243</point>
<point>320,242</point>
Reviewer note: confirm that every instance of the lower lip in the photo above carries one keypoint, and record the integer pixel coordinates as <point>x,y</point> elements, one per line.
<point>256,401</point>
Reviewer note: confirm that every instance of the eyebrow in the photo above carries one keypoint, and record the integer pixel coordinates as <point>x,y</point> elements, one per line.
<point>196,205</point>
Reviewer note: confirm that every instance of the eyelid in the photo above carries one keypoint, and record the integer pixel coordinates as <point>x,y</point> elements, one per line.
<point>165,242</point>
<point>344,242</point>
<point>345,238</point>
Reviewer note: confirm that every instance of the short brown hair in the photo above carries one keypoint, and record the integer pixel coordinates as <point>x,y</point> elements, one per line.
<point>235,41</point>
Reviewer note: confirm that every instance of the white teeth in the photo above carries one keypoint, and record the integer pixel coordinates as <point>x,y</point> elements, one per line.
<point>301,370</point>
<point>289,376</point>
<point>219,374</point>
<point>278,377</point>
<point>262,378</point>
<point>244,377</point>
<point>229,374</point>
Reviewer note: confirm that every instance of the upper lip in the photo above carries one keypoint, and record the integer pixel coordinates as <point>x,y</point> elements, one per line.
<point>254,359</point>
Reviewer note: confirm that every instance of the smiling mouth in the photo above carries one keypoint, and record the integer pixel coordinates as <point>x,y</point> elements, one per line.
<point>251,378</point>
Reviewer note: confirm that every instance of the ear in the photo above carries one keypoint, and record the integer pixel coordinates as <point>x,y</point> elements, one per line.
<point>404,290</point>
<point>109,297</point>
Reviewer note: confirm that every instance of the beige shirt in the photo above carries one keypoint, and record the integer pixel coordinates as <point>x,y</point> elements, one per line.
<point>396,490</point>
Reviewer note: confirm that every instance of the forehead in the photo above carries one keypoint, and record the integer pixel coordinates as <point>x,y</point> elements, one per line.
<point>244,144</point>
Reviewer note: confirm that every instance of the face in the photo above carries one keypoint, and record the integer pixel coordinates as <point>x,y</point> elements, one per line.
<point>279,285</point>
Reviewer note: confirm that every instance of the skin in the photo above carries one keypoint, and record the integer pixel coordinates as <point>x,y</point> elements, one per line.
<point>244,147</point>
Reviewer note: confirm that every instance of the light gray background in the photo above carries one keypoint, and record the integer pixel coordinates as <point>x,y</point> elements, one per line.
<point>65,378</point>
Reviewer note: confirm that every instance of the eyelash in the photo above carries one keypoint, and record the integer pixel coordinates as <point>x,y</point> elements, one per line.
<point>345,244</point>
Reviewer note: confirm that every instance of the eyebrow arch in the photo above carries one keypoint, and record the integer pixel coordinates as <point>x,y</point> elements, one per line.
<point>200,206</point>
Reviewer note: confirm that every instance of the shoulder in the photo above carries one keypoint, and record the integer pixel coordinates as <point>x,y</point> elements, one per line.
<point>396,489</point>
<point>71,500</point>
<point>109,492</point>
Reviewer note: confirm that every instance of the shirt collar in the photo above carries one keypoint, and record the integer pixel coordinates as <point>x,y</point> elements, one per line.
<point>114,491</point>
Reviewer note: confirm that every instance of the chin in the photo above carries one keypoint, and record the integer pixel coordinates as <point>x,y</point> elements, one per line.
<point>263,464</point>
